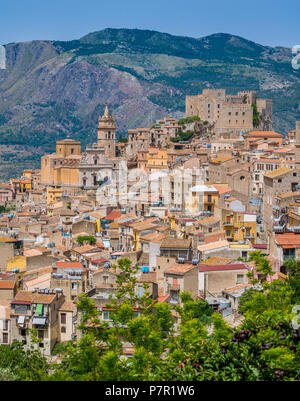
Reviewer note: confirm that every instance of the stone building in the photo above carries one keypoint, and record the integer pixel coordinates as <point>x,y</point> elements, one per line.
<point>38,310</point>
<point>99,164</point>
<point>229,113</point>
<point>71,277</point>
<point>214,279</point>
<point>107,134</point>
<point>61,168</point>
<point>180,277</point>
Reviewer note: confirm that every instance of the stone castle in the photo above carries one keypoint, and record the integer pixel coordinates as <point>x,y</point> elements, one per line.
<point>230,113</point>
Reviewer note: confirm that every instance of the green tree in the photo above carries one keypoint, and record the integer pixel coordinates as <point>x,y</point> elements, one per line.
<point>86,238</point>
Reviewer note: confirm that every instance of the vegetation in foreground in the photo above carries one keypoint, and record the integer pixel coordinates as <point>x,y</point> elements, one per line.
<point>203,347</point>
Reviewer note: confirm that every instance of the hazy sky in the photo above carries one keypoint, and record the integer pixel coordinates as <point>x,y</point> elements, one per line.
<point>269,22</point>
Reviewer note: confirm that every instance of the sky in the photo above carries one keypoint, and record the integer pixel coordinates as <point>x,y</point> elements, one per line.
<point>268,22</point>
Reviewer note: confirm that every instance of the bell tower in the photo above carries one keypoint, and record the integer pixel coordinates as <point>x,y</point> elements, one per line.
<point>107,134</point>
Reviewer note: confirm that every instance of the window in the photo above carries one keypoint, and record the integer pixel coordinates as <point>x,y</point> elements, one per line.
<point>63,329</point>
<point>63,318</point>
<point>74,286</point>
<point>242,178</point>
<point>5,338</point>
<point>5,325</point>
<point>105,279</point>
<point>41,334</point>
<point>240,279</point>
<point>23,332</point>
<point>140,291</point>
<point>105,315</point>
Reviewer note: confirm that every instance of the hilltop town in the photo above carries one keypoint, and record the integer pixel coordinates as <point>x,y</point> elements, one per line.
<point>186,201</point>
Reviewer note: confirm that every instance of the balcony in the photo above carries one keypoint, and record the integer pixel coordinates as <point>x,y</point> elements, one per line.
<point>228,223</point>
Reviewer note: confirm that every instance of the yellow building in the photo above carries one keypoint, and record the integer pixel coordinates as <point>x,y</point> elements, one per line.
<point>203,198</point>
<point>157,159</point>
<point>22,185</point>
<point>238,226</point>
<point>53,195</point>
<point>62,167</point>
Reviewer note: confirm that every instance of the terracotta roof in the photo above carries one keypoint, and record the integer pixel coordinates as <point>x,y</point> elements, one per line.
<point>277,173</point>
<point>7,284</point>
<point>32,252</point>
<point>264,134</point>
<point>33,297</point>
<point>39,280</point>
<point>289,239</point>
<point>176,243</point>
<point>222,190</point>
<point>180,269</point>
<point>67,306</point>
<point>163,298</point>
<point>68,264</point>
<point>237,288</point>
<point>289,194</point>
<point>153,237</point>
<point>115,214</point>
<point>213,245</point>
<point>238,266</point>
<point>84,249</point>
<point>260,246</point>
<point>99,260</point>
<point>147,278</point>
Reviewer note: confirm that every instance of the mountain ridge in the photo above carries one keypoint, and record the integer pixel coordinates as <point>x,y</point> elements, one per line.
<point>54,89</point>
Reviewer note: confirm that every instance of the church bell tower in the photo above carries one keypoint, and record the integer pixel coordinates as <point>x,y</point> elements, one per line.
<point>107,134</point>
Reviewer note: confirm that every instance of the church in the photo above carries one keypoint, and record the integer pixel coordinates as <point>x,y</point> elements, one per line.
<point>99,162</point>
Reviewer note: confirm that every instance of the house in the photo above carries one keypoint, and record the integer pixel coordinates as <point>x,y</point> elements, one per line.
<point>67,316</point>
<point>212,249</point>
<point>150,280</point>
<point>283,247</point>
<point>38,310</point>
<point>180,277</point>
<point>234,293</point>
<point>150,245</point>
<point>5,323</point>
<point>214,279</point>
<point>9,248</point>
<point>176,248</point>
<point>238,225</point>
<point>71,277</point>
<point>8,289</point>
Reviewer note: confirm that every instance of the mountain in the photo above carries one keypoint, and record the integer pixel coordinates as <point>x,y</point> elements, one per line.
<point>54,89</point>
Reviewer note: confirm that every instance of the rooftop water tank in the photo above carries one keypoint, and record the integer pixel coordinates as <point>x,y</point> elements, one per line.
<point>145,269</point>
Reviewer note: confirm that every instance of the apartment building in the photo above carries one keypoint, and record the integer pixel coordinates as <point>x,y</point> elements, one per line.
<point>36,310</point>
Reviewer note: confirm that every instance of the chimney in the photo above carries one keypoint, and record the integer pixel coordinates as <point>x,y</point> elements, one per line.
<point>297,143</point>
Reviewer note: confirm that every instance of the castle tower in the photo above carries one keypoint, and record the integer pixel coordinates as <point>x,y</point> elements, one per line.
<point>107,134</point>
